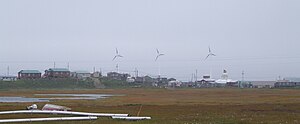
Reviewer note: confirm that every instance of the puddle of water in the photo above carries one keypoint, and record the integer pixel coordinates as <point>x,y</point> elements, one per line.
<point>57,97</point>
<point>91,96</point>
<point>69,98</point>
<point>76,96</point>
<point>21,99</point>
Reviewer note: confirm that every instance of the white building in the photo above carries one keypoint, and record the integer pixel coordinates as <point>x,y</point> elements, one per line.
<point>8,78</point>
<point>206,81</point>
<point>96,74</point>
<point>81,74</point>
<point>130,80</point>
<point>224,79</point>
<point>264,84</point>
<point>174,84</point>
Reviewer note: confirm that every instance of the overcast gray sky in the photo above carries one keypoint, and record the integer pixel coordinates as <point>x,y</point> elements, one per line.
<point>261,37</point>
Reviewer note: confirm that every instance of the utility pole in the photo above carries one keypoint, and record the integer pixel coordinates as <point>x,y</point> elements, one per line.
<point>54,65</point>
<point>196,76</point>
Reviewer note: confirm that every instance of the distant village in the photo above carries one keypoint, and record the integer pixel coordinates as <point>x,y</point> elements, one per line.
<point>162,82</point>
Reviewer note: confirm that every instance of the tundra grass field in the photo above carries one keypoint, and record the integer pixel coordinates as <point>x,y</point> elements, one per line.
<point>176,106</point>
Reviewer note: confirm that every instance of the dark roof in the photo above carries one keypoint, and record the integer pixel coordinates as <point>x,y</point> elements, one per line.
<point>58,69</point>
<point>30,72</point>
<point>82,72</point>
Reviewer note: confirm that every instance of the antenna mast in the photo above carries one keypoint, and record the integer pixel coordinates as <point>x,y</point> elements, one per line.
<point>7,70</point>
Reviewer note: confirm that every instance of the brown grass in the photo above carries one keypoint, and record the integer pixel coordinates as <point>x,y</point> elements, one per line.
<point>180,105</point>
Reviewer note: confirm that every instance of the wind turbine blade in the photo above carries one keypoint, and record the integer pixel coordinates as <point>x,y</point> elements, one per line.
<point>157,51</point>
<point>114,58</point>
<point>117,52</point>
<point>209,50</point>
<point>213,54</point>
<point>156,58</point>
<point>207,56</point>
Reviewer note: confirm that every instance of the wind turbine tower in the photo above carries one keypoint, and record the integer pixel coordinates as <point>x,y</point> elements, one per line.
<point>117,56</point>
<point>136,71</point>
<point>243,77</point>
<point>117,67</point>
<point>68,66</point>
<point>7,70</point>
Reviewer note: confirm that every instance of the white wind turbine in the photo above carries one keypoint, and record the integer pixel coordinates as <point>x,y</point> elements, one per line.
<point>117,56</point>
<point>158,55</point>
<point>210,54</point>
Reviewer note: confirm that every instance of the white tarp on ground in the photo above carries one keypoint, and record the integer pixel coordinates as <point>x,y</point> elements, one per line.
<point>47,119</point>
<point>52,107</point>
<point>131,118</point>
<point>62,112</point>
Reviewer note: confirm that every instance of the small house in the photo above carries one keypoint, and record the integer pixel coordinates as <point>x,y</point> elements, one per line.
<point>29,74</point>
<point>117,76</point>
<point>57,73</point>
